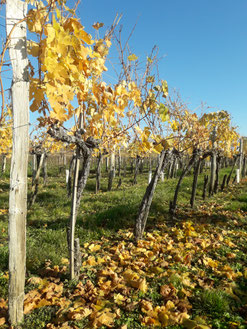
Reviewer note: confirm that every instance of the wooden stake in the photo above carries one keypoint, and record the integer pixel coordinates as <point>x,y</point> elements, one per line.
<point>16,10</point>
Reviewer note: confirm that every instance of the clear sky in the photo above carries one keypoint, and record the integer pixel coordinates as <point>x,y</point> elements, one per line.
<point>204,43</point>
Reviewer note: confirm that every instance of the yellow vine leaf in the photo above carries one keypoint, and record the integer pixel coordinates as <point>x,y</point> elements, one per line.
<point>104,318</point>
<point>33,48</point>
<point>97,25</point>
<point>132,57</point>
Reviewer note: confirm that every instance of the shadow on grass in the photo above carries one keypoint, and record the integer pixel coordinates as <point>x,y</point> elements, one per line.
<point>90,187</point>
<point>4,199</point>
<point>48,197</point>
<point>58,224</point>
<point>3,185</point>
<point>117,217</point>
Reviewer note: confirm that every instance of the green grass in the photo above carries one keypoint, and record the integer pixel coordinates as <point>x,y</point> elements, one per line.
<point>39,317</point>
<point>107,212</point>
<point>99,215</point>
<point>213,302</point>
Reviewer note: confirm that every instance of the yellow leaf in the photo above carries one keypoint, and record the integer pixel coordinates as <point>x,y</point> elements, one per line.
<point>43,302</point>
<point>97,25</point>
<point>91,261</point>
<point>170,305</point>
<point>174,125</point>
<point>108,42</point>
<point>50,33</point>
<point>157,270</point>
<point>94,247</point>
<point>129,275</point>
<point>158,148</point>
<point>58,12</point>
<point>33,48</point>
<point>148,320</point>
<point>209,261</point>
<point>78,313</point>
<point>35,280</point>
<point>118,298</point>
<point>163,112</point>
<point>163,318</point>
<point>142,285</point>
<point>132,57</point>
<point>2,321</point>
<point>164,88</point>
<point>64,261</point>
<point>104,318</point>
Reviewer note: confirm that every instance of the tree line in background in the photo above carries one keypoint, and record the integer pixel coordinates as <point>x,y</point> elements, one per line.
<point>135,118</point>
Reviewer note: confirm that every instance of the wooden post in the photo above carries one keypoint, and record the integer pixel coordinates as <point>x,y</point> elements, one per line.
<point>78,258</point>
<point>34,167</point>
<point>213,165</point>
<point>35,185</point>
<point>112,170</point>
<point>162,176</point>
<point>45,174</point>
<point>240,159</point>
<point>71,228</point>
<point>16,10</point>
<point>119,162</point>
<point>4,161</point>
<point>71,170</point>
<point>238,176</point>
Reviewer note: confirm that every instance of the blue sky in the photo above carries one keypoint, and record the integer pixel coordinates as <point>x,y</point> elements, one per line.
<point>204,44</point>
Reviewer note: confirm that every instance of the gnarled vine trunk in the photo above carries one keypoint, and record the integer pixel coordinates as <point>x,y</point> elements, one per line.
<point>98,172</point>
<point>194,184</point>
<point>84,150</point>
<point>141,219</point>
<point>35,185</point>
<point>173,204</point>
<point>137,167</point>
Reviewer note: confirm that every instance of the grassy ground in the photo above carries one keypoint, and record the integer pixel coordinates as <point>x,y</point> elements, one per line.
<point>190,263</point>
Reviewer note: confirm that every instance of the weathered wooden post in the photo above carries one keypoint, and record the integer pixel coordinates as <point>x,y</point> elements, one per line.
<point>213,164</point>
<point>240,159</point>
<point>4,161</point>
<point>16,11</point>
<point>34,166</point>
<point>71,228</point>
<point>237,176</point>
<point>112,170</point>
